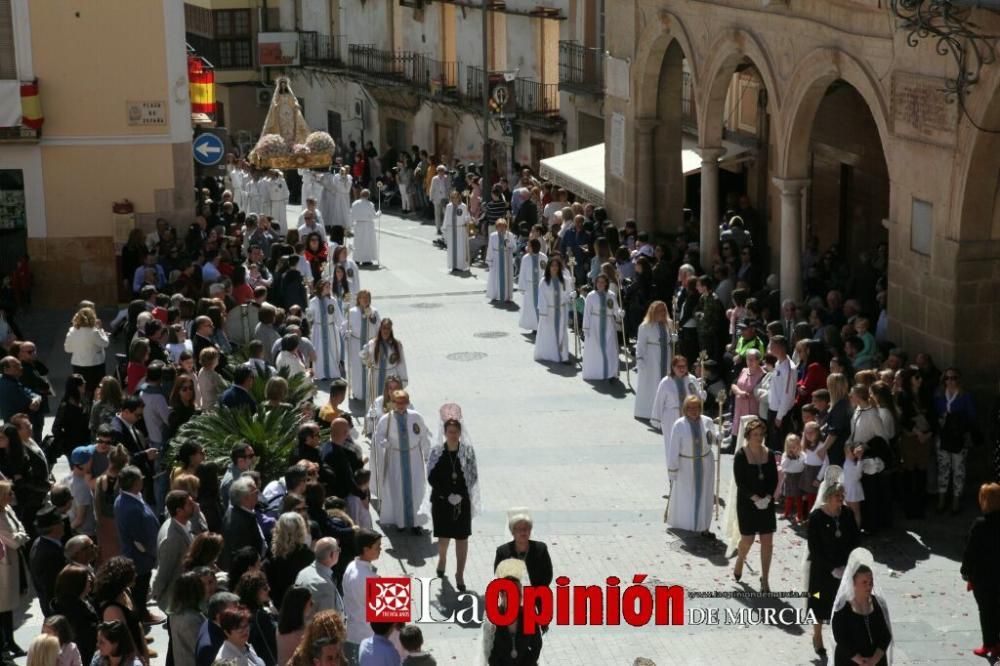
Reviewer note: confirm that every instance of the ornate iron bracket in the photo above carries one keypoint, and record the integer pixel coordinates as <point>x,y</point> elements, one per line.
<point>947,23</point>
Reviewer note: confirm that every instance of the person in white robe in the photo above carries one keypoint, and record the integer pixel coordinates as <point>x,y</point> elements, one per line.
<point>235,176</point>
<point>403,442</point>
<point>337,211</point>
<point>654,348</point>
<point>255,193</point>
<point>529,283</point>
<point>380,406</point>
<point>673,390</point>
<point>500,259</point>
<point>327,200</point>
<point>552,338</point>
<point>278,194</point>
<point>311,187</point>
<point>601,316</point>
<point>691,469</point>
<point>456,233</point>
<point>363,219</point>
<point>326,323</point>
<point>362,322</point>
<point>383,355</point>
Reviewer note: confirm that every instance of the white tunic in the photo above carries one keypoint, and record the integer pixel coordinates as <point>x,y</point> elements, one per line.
<point>292,361</point>
<point>601,315</point>
<point>278,192</point>
<point>653,354</point>
<point>326,201</point>
<point>455,228</point>
<point>326,319</point>
<point>691,468</point>
<point>361,329</point>
<point>385,365</point>
<point>363,216</point>
<point>668,402</point>
<point>311,187</point>
<point>500,258</point>
<point>402,443</point>
<point>552,339</point>
<point>236,186</point>
<point>350,270</point>
<point>255,197</point>
<point>337,200</point>
<point>528,283</point>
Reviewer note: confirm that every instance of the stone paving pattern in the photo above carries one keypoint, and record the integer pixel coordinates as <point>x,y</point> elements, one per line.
<point>593,478</point>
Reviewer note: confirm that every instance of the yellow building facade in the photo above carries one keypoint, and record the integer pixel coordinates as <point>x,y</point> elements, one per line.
<point>112,80</point>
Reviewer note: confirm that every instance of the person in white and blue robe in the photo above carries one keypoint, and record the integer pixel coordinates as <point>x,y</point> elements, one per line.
<point>326,319</point>
<point>601,316</point>
<point>500,259</point>
<point>403,443</point>
<point>362,322</point>
<point>554,293</point>
<point>654,349</point>
<point>691,469</point>
<point>455,227</point>
<point>529,284</point>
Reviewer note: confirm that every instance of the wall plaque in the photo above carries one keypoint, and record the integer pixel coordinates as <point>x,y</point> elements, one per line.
<point>921,110</point>
<point>147,113</point>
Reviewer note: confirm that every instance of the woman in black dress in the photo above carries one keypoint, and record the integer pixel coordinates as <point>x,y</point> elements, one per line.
<point>833,534</point>
<point>756,477</point>
<point>453,477</point>
<point>979,568</point>
<point>860,622</point>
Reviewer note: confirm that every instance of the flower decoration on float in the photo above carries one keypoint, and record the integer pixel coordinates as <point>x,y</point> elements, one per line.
<point>320,142</point>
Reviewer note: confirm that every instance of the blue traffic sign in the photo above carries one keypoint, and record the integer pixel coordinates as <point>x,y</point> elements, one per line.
<point>208,149</point>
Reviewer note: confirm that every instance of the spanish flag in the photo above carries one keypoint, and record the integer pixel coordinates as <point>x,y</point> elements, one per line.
<point>201,83</point>
<point>31,106</point>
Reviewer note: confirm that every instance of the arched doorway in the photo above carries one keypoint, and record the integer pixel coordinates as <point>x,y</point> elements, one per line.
<point>673,111</point>
<point>847,200</point>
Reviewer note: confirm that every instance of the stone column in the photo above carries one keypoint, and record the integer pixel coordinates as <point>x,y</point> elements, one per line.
<point>645,187</point>
<point>791,236</point>
<point>709,242</point>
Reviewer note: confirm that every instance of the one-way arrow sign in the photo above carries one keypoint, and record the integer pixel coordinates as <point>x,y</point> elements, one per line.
<point>208,149</point>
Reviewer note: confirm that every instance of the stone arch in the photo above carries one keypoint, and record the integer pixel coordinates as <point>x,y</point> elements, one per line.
<point>977,197</point>
<point>806,89</point>
<point>654,41</point>
<point>726,53</point>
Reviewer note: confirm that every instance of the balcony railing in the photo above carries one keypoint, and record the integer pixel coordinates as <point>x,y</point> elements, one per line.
<point>322,50</point>
<point>387,66</point>
<point>475,84</point>
<point>440,79</point>
<point>536,98</point>
<point>581,68</point>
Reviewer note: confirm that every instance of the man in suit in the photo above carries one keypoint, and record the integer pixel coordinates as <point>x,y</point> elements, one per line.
<point>137,531</point>
<point>210,636</point>
<point>46,559</point>
<point>240,526</point>
<point>238,395</point>
<point>318,577</point>
<point>172,543</point>
<point>125,431</point>
<point>15,397</point>
<point>339,462</point>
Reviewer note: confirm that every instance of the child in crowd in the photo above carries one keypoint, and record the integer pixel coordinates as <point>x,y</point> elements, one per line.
<point>812,461</point>
<point>854,494</point>
<point>792,465</point>
<point>358,503</point>
<point>412,641</point>
<point>58,626</point>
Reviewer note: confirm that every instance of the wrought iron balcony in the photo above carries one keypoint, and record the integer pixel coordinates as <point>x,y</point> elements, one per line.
<point>581,68</point>
<point>397,67</point>
<point>437,78</point>
<point>322,50</point>
<point>536,98</point>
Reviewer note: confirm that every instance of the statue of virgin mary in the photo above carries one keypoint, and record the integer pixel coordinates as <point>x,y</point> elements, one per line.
<point>284,117</point>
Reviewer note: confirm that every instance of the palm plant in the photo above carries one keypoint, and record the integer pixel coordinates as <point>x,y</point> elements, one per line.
<point>272,432</point>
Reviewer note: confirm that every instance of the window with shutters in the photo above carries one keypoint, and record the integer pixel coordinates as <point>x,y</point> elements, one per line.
<point>233,39</point>
<point>8,61</point>
<point>198,20</point>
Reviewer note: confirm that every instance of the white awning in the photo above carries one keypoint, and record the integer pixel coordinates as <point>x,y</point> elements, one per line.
<point>582,171</point>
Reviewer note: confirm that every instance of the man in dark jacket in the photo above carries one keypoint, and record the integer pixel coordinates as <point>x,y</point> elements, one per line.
<point>238,395</point>
<point>339,460</point>
<point>35,377</point>
<point>210,635</point>
<point>15,397</point>
<point>137,531</point>
<point>46,559</point>
<point>240,527</point>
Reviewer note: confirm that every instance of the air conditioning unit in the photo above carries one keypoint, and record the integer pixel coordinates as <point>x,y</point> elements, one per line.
<point>263,96</point>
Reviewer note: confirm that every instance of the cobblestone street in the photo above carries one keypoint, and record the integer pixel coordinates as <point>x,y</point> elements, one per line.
<point>593,478</point>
